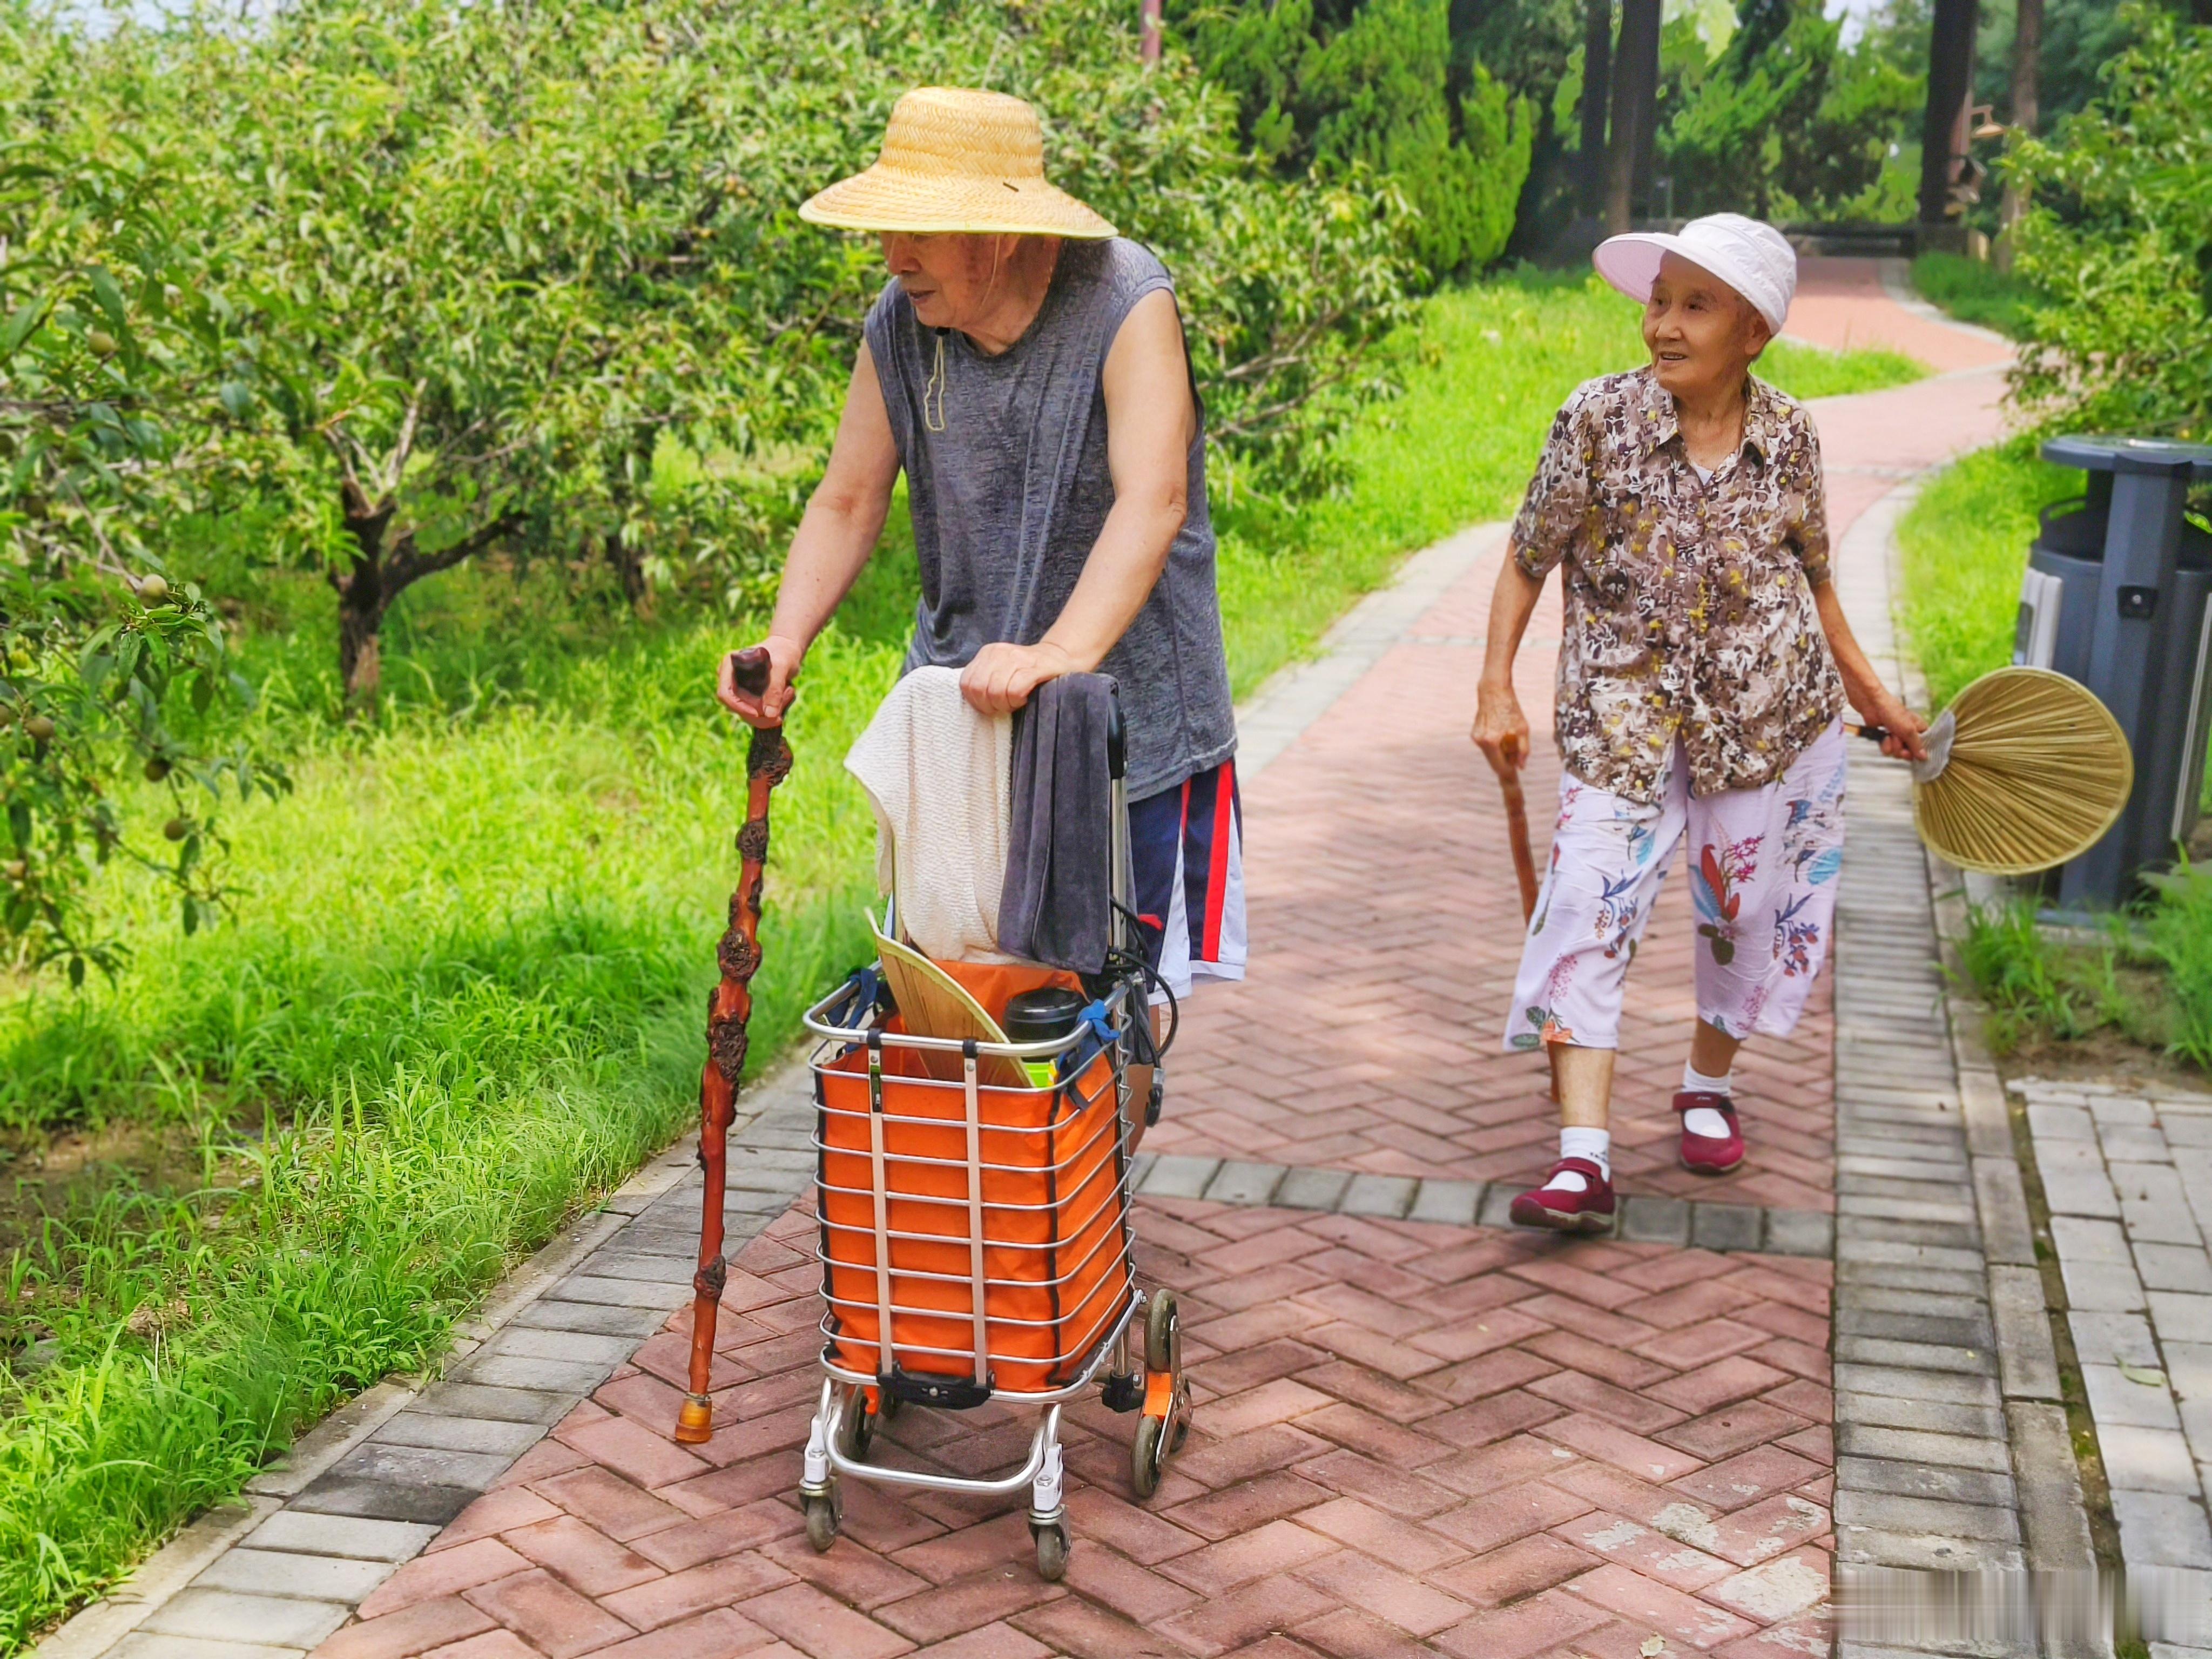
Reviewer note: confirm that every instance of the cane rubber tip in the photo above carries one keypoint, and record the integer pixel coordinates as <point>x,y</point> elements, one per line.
<point>695,1421</point>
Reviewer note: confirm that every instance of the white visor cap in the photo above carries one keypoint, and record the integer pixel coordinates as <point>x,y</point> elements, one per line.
<point>1755,259</point>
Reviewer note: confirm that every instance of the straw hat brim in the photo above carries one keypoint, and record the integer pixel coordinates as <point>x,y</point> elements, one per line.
<point>885,198</point>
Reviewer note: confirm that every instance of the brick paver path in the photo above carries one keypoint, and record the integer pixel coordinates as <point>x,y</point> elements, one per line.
<point>1409,1439</point>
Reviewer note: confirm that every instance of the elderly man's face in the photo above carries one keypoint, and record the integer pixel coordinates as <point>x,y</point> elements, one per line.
<point>952,281</point>
<point>1702,336</point>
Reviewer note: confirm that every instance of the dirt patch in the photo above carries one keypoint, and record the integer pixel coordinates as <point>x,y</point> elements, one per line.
<point>53,1174</point>
<point>2102,1056</point>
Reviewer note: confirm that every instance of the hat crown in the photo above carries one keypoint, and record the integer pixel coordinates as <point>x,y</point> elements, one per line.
<point>954,131</point>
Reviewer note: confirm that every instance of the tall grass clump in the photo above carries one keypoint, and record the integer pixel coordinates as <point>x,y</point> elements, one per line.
<point>2035,987</point>
<point>1966,541</point>
<point>1976,291</point>
<point>2181,937</point>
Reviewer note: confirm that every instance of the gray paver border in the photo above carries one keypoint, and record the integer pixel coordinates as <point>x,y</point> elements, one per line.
<point>1642,1218</point>
<point>1914,1069</point>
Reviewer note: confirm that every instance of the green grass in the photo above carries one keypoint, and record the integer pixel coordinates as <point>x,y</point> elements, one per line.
<point>1975,291</point>
<point>2150,984</point>
<point>1965,541</point>
<point>460,993</point>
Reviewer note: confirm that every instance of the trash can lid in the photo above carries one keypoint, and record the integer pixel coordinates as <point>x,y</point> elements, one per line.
<point>2161,457</point>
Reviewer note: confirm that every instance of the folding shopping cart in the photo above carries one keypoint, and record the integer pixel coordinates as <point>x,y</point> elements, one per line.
<point>974,1205</point>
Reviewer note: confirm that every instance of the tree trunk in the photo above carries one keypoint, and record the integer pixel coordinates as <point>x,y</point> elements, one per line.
<point>383,568</point>
<point>1635,88</point>
<point>1642,195</point>
<point>1597,87</point>
<point>630,571</point>
<point>362,598</point>
<point>2026,95</point>
<point>1950,82</point>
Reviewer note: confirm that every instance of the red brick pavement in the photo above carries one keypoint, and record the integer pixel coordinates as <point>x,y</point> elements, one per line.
<point>1408,1440</point>
<point>1367,1035</point>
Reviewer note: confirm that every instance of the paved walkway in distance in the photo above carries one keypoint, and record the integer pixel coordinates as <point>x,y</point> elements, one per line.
<point>1411,1437</point>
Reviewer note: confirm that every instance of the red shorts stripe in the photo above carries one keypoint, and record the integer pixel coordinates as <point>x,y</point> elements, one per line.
<point>1217,881</point>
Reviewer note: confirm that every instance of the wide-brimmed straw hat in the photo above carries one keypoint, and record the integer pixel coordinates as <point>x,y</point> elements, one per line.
<point>1755,259</point>
<point>957,161</point>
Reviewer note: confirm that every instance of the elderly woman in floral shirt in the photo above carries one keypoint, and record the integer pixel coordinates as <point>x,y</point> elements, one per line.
<point>1702,677</point>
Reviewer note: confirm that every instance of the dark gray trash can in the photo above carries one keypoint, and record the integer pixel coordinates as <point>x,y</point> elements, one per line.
<point>2115,598</point>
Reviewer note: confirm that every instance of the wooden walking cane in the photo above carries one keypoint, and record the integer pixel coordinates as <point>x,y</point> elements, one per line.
<point>1517,827</point>
<point>1524,860</point>
<point>768,763</point>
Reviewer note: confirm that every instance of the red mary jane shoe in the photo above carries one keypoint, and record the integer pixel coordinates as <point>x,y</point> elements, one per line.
<point>1590,1211</point>
<point>1710,1154</point>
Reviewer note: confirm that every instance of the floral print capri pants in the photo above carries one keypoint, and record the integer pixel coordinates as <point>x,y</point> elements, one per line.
<point>1763,868</point>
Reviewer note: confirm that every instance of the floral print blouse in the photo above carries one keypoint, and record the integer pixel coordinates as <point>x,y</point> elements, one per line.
<point>1689,600</point>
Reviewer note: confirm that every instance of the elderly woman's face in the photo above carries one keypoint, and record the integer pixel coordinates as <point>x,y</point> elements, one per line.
<point>952,281</point>
<point>1702,336</point>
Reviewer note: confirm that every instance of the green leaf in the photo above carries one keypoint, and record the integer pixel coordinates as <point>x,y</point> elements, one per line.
<point>27,318</point>
<point>110,298</point>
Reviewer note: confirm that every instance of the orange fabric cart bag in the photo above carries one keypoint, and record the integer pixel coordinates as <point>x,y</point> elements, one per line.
<point>1026,1261</point>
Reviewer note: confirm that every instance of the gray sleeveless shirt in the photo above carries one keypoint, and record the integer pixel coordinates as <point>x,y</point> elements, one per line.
<point>1008,499</point>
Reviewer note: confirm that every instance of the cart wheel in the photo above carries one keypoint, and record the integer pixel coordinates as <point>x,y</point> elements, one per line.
<point>856,1426</point>
<point>1052,1546</point>
<point>887,1405</point>
<point>1163,1334</point>
<point>1145,1456</point>
<point>822,1521</point>
<point>1182,1419</point>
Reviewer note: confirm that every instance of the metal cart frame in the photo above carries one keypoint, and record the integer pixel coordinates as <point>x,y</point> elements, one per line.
<point>1142,1336</point>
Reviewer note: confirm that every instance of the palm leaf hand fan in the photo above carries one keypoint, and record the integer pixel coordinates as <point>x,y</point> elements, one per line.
<point>2024,770</point>
<point>933,1004</point>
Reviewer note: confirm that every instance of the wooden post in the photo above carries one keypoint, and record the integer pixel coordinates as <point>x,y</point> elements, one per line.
<point>1635,99</point>
<point>1597,87</point>
<point>1152,32</point>
<point>1950,83</point>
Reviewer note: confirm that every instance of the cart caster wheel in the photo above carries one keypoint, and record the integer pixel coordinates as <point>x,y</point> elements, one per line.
<point>1163,1334</point>
<point>887,1407</point>
<point>1181,1425</point>
<point>822,1521</point>
<point>856,1426</point>
<point>1052,1546</point>
<point>1145,1456</point>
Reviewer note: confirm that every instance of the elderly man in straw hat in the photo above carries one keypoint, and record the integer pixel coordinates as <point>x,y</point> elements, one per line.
<point>1026,367</point>
<point>1702,672</point>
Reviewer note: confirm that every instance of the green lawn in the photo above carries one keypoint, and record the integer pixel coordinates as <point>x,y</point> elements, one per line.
<point>1965,541</point>
<point>459,995</point>
<point>1975,291</point>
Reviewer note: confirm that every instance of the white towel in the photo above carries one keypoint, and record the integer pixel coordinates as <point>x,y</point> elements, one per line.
<point>941,776</point>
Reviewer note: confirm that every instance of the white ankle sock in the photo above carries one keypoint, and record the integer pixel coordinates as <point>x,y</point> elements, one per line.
<point>1596,1144</point>
<point>1704,1119</point>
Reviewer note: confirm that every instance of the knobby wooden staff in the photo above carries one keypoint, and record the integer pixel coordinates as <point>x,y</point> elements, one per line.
<point>768,763</point>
